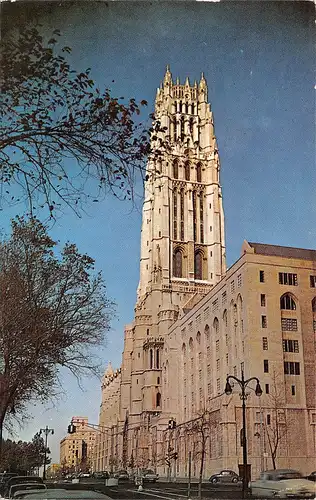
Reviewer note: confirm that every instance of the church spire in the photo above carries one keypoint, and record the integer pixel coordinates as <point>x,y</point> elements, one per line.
<point>168,76</point>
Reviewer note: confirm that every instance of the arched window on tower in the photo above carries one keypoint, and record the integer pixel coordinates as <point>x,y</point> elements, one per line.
<point>187,171</point>
<point>199,172</point>
<point>192,109</point>
<point>198,262</point>
<point>182,128</point>
<point>194,214</point>
<point>287,302</point>
<point>201,219</point>
<point>180,106</point>
<point>175,170</point>
<point>191,125</point>
<point>158,400</point>
<point>182,215</point>
<point>157,359</point>
<point>177,263</point>
<point>151,359</point>
<point>175,214</point>
<point>186,108</point>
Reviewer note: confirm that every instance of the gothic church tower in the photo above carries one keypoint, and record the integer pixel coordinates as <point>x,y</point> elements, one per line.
<point>182,239</point>
<point>182,245</point>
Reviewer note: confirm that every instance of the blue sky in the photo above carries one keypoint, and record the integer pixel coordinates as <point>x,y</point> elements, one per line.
<point>258,61</point>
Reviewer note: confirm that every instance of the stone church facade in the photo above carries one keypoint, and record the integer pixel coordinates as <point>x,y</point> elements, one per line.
<point>196,322</point>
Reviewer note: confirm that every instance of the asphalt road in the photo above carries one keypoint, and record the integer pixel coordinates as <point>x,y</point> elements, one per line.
<point>160,490</point>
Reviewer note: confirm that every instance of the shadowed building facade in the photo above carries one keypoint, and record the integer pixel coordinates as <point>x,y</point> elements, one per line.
<point>195,322</point>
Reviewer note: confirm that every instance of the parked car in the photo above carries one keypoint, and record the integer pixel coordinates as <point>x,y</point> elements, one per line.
<point>312,476</point>
<point>19,480</point>
<point>149,476</point>
<point>282,483</point>
<point>122,475</point>
<point>101,475</point>
<point>225,476</point>
<point>84,474</point>
<point>20,490</point>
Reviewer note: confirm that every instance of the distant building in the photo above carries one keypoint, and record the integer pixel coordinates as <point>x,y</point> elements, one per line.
<point>197,322</point>
<point>77,449</point>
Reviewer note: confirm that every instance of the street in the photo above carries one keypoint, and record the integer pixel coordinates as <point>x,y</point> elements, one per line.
<point>160,490</point>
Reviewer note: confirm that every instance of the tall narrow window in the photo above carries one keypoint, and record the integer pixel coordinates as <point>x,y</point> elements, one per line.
<point>150,358</point>
<point>191,126</point>
<point>198,275</point>
<point>175,130</point>
<point>187,171</point>
<point>158,399</point>
<point>157,359</point>
<point>192,109</point>
<point>201,219</point>
<point>198,173</point>
<point>175,213</point>
<point>194,214</point>
<point>263,300</point>
<point>182,128</point>
<point>175,170</point>
<point>261,276</point>
<point>186,108</point>
<point>177,263</point>
<point>182,215</point>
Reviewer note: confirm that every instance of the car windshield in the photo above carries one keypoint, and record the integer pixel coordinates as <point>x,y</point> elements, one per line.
<point>288,475</point>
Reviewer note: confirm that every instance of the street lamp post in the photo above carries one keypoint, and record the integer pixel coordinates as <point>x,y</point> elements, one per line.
<point>258,391</point>
<point>46,431</point>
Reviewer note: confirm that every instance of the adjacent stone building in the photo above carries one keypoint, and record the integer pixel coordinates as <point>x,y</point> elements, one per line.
<point>196,322</point>
<point>77,449</point>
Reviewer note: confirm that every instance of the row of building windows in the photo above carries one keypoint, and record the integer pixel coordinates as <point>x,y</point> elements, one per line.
<point>290,367</point>
<point>288,345</point>
<point>187,168</point>
<point>288,279</point>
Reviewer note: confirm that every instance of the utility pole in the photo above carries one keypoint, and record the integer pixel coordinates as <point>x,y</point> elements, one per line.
<point>46,431</point>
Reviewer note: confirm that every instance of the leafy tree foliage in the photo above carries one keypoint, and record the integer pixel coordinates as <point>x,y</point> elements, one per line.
<point>58,130</point>
<point>22,456</point>
<point>53,309</point>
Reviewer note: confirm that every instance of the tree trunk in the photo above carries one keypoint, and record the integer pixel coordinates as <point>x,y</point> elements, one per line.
<point>201,472</point>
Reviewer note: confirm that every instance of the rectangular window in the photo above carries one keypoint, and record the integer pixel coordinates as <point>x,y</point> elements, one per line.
<point>232,286</point>
<point>263,300</point>
<point>290,345</point>
<point>198,319</point>
<point>218,385</point>
<point>263,321</point>
<point>289,325</point>
<point>242,368</point>
<point>265,343</point>
<point>206,312</point>
<point>243,346</point>
<point>224,297</point>
<point>209,372</point>
<point>267,389</point>
<point>191,326</point>
<point>217,364</point>
<point>227,359</point>
<point>312,280</point>
<point>266,366</point>
<point>314,325</point>
<point>293,390</point>
<point>268,419</point>
<point>217,345</point>
<point>239,281</point>
<point>288,279</point>
<point>261,276</point>
<point>209,389</point>
<point>215,305</point>
<point>226,338</point>
<point>208,351</point>
<point>235,371</point>
<point>291,368</point>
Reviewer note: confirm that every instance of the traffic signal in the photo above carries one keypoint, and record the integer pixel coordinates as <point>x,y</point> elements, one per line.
<point>71,429</point>
<point>172,424</point>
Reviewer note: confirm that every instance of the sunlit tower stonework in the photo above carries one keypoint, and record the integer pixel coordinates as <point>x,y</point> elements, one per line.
<point>182,247</point>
